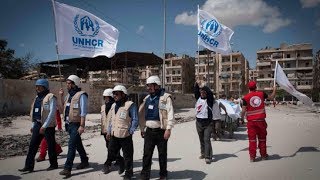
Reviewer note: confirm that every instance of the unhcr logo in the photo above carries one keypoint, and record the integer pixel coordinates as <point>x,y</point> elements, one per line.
<point>87,28</point>
<point>209,30</point>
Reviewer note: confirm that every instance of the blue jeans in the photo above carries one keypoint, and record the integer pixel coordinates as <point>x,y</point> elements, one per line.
<point>75,144</point>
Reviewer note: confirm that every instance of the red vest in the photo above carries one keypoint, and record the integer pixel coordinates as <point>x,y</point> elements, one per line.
<point>255,105</point>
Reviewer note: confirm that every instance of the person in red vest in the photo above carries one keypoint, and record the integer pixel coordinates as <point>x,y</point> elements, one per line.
<point>254,108</point>
<point>44,144</point>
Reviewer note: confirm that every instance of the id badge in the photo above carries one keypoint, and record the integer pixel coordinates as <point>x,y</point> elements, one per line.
<point>46,106</point>
<point>123,115</point>
<point>36,109</point>
<point>162,106</point>
<point>150,107</point>
<point>76,105</point>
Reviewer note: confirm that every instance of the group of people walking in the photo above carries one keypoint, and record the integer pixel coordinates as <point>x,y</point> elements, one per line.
<point>120,117</point>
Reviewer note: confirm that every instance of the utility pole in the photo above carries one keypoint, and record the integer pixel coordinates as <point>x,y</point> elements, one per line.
<point>316,78</point>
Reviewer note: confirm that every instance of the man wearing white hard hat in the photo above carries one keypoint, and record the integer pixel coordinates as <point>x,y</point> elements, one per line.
<point>156,121</point>
<point>105,108</point>
<point>123,118</point>
<point>74,113</point>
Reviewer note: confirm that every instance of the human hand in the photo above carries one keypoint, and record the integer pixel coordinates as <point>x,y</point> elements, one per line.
<point>42,130</point>
<point>167,134</point>
<point>142,134</point>
<point>61,92</point>
<point>80,130</point>
<point>108,137</point>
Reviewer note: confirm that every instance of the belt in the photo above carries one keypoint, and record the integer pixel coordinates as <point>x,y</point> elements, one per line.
<point>153,129</point>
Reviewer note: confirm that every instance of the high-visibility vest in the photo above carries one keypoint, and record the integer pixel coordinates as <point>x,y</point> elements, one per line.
<point>255,105</point>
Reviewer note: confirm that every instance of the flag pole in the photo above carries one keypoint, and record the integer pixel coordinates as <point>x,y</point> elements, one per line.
<point>198,44</point>
<point>164,44</point>
<point>275,73</point>
<point>56,44</point>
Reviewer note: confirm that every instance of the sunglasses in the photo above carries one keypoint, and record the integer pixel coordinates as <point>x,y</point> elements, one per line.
<point>117,93</point>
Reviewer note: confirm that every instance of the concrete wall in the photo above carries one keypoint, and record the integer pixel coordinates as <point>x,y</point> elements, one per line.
<point>16,96</point>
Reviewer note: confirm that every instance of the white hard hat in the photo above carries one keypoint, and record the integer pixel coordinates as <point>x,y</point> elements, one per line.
<point>154,79</point>
<point>120,88</point>
<point>75,79</point>
<point>107,92</point>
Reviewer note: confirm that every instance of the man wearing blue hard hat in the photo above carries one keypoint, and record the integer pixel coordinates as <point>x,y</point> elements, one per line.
<point>43,114</point>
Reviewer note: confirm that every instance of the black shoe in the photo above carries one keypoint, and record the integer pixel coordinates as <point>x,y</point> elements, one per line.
<point>163,177</point>
<point>83,165</point>
<point>52,168</point>
<point>106,169</point>
<point>127,177</point>
<point>25,169</point>
<point>65,173</point>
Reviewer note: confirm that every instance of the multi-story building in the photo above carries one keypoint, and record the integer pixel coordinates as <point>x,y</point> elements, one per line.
<point>147,71</point>
<point>179,73</point>
<point>253,74</point>
<point>128,76</point>
<point>234,72</point>
<point>295,60</point>
<point>224,74</point>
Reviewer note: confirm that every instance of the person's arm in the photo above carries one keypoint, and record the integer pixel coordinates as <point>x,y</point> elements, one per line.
<point>134,118</point>
<point>61,100</point>
<point>83,112</point>
<point>244,109</point>
<point>53,109</point>
<point>196,90</point>
<point>223,107</point>
<point>271,96</point>
<point>170,121</point>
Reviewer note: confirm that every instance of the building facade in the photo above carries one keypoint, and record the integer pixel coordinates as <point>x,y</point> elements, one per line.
<point>224,74</point>
<point>179,73</point>
<point>296,60</point>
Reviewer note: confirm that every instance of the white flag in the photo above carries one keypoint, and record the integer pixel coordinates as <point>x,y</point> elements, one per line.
<point>212,34</point>
<point>82,33</point>
<point>284,83</point>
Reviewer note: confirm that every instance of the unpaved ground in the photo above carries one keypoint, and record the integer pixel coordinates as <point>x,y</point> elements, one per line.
<point>293,146</point>
<point>15,134</point>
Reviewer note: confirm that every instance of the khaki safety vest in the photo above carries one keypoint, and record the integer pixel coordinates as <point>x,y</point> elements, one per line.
<point>45,110</point>
<point>74,112</point>
<point>120,121</point>
<point>163,113</point>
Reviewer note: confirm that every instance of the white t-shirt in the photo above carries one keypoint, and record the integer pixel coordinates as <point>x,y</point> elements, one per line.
<point>201,108</point>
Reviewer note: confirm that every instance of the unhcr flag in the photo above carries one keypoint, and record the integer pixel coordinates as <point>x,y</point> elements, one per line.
<point>284,83</point>
<point>81,33</point>
<point>212,34</point>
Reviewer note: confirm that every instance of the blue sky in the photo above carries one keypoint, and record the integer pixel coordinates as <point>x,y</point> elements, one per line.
<point>28,25</point>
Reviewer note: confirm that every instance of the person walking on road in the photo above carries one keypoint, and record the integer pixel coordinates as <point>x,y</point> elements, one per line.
<point>204,123</point>
<point>43,114</point>
<point>254,109</point>
<point>74,113</point>
<point>156,117</point>
<point>123,118</point>
<point>44,144</point>
<point>105,108</point>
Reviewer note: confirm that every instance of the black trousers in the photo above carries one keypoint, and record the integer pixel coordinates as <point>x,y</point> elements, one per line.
<point>152,138</point>
<point>126,144</point>
<point>36,139</point>
<point>119,158</point>
<point>204,129</point>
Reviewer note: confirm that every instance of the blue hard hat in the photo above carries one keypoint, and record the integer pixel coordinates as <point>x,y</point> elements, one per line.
<point>42,82</point>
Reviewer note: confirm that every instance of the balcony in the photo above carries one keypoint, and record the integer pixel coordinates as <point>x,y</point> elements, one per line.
<point>264,64</point>
<point>304,87</point>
